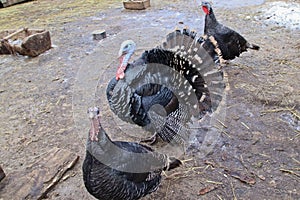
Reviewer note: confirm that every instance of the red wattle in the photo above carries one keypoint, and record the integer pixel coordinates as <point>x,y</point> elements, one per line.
<point>120,71</point>
<point>205,9</point>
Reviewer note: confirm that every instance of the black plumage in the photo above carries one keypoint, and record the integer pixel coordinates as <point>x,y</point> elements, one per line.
<point>118,170</point>
<point>172,76</point>
<point>231,43</point>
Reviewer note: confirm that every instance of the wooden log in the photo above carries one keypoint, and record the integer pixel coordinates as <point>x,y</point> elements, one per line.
<point>39,178</point>
<point>6,3</point>
<point>6,48</point>
<point>35,44</point>
<point>14,33</point>
<point>21,33</point>
<point>99,34</point>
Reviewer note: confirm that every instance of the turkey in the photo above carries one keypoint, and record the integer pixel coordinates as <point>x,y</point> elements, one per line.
<point>118,170</point>
<point>2,174</point>
<point>231,43</point>
<point>177,78</point>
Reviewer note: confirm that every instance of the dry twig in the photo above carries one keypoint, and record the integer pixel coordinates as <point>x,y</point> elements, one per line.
<point>222,131</point>
<point>290,172</point>
<point>245,125</point>
<point>232,189</point>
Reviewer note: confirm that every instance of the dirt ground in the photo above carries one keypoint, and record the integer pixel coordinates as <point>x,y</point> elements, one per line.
<point>257,155</point>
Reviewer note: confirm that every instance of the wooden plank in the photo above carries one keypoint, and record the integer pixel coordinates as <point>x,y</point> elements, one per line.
<point>35,42</point>
<point>6,3</point>
<point>39,178</point>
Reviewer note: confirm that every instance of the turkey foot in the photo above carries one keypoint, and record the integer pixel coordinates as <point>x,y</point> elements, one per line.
<point>151,140</point>
<point>223,63</point>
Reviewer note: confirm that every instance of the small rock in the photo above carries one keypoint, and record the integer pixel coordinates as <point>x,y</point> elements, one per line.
<point>273,183</point>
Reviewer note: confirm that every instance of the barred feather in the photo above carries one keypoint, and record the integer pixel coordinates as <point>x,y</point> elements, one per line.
<point>229,42</point>
<point>180,75</point>
<point>105,182</point>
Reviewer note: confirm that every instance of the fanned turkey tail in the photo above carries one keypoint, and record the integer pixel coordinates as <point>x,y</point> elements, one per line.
<point>180,76</point>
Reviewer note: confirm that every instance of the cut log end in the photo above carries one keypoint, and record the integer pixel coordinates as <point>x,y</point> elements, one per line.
<point>99,34</point>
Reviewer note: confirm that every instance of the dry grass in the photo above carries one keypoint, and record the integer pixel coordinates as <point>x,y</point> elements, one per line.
<point>56,12</point>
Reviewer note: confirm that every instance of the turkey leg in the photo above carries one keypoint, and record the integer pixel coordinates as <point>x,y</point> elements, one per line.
<point>151,140</point>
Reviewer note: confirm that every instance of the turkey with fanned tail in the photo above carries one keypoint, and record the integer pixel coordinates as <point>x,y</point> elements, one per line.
<point>178,79</point>
<point>231,43</point>
<point>119,170</point>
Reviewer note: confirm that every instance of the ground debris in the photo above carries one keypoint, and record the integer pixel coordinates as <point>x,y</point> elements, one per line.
<point>293,111</point>
<point>39,178</point>
<point>210,163</point>
<point>290,172</point>
<point>208,189</point>
<point>261,177</point>
<point>30,42</point>
<point>245,178</point>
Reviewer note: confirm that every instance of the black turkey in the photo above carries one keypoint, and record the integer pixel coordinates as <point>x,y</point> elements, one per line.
<point>231,43</point>
<point>118,170</point>
<point>170,76</point>
<point>2,174</point>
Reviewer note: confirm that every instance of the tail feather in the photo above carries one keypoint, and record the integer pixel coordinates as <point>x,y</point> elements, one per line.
<point>193,78</point>
<point>180,41</point>
<point>172,40</point>
<point>187,41</point>
<point>200,54</point>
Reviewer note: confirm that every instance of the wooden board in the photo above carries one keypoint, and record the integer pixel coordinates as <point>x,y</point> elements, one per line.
<point>136,4</point>
<point>6,3</point>
<point>39,178</point>
<point>30,42</point>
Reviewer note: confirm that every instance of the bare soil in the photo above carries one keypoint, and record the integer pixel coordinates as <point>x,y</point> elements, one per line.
<point>257,154</point>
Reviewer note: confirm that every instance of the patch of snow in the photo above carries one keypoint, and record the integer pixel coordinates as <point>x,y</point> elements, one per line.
<point>283,14</point>
<point>236,3</point>
<point>231,3</point>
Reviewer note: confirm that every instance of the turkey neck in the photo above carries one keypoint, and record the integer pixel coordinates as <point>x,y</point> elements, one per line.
<point>126,58</point>
<point>210,21</point>
<point>96,133</point>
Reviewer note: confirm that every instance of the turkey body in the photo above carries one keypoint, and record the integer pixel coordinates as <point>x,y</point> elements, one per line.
<point>104,181</point>
<point>187,59</point>
<point>230,42</point>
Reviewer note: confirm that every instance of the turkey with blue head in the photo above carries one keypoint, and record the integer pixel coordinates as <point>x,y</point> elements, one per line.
<point>230,42</point>
<point>119,170</point>
<point>167,85</point>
